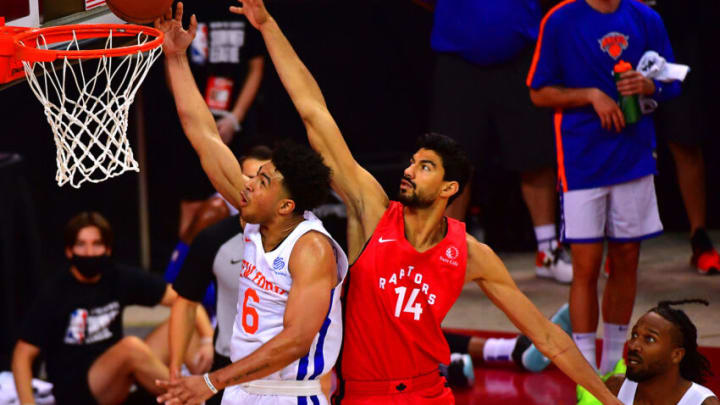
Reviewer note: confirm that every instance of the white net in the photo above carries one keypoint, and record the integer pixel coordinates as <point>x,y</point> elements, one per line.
<point>86,103</point>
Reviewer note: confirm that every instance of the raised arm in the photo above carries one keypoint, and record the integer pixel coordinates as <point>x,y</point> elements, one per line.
<point>314,274</point>
<point>360,191</point>
<point>486,269</point>
<point>219,163</point>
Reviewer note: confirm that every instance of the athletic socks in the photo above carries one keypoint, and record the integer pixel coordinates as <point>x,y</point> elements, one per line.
<point>614,338</point>
<point>545,234</point>
<point>586,344</point>
<point>498,350</point>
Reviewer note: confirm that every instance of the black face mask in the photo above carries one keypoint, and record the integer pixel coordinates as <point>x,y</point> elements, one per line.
<point>91,266</point>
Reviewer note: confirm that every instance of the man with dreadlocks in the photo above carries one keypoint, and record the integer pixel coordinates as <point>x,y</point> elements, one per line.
<point>663,362</point>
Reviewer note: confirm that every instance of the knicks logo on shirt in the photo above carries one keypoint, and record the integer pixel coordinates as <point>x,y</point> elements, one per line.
<point>614,43</point>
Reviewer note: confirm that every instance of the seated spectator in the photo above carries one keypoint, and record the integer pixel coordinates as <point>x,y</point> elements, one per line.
<point>77,324</point>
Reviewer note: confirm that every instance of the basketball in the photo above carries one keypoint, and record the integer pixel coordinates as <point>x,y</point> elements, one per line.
<point>139,11</point>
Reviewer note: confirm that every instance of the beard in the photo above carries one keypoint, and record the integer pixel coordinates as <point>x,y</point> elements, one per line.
<point>639,376</point>
<point>413,200</point>
<point>644,373</point>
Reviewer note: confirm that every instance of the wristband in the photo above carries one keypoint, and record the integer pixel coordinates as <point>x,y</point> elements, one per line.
<point>209,383</point>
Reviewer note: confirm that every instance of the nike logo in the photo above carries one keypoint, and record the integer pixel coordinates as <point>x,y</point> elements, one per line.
<point>247,240</point>
<point>381,240</point>
<point>235,261</point>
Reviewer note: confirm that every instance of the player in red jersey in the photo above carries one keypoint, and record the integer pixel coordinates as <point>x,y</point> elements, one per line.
<point>410,261</point>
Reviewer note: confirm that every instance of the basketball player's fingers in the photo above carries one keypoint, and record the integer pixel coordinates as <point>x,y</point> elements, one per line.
<point>163,383</point>
<point>192,29</point>
<point>237,10</point>
<point>164,398</point>
<point>179,11</point>
<point>168,14</point>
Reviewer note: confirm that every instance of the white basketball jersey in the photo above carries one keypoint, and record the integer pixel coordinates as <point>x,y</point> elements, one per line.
<point>695,395</point>
<point>262,298</point>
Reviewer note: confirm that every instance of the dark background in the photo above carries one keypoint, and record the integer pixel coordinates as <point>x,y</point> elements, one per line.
<point>374,64</point>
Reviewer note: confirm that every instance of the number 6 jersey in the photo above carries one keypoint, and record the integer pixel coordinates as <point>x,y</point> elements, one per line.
<point>262,297</point>
<point>396,299</point>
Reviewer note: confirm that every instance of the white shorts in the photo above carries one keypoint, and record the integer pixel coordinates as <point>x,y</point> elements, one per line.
<point>622,212</point>
<point>236,395</point>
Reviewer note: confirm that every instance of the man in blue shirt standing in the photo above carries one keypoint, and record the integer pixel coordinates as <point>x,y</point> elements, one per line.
<point>484,49</point>
<point>605,166</point>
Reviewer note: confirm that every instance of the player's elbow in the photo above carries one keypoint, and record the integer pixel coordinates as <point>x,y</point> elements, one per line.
<point>311,112</point>
<point>300,343</point>
<point>539,98</point>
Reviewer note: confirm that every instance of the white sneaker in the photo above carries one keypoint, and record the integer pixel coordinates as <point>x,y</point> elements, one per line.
<point>554,263</point>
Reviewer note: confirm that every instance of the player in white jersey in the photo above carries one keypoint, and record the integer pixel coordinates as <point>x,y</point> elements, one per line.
<point>295,299</point>
<point>663,362</point>
<point>265,281</point>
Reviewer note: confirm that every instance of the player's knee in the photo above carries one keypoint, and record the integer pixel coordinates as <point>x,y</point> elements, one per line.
<point>586,278</point>
<point>134,348</point>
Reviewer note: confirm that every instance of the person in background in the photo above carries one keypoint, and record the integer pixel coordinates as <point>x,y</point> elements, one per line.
<point>606,165</point>
<point>484,49</point>
<point>663,362</point>
<point>76,323</point>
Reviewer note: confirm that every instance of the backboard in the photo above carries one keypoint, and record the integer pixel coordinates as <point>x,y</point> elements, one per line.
<point>48,13</point>
<point>45,13</point>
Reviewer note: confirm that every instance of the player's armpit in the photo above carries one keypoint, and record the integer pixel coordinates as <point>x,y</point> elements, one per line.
<point>488,271</point>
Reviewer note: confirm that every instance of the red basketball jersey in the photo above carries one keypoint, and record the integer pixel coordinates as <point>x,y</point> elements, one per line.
<point>396,299</point>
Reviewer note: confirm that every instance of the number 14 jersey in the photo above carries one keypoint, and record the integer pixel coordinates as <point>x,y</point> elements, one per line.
<point>396,299</point>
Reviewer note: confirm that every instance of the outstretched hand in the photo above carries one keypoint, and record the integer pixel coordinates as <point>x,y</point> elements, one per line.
<point>190,390</point>
<point>177,39</point>
<point>254,10</point>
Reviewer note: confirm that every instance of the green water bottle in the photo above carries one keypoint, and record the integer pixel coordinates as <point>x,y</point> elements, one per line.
<point>628,104</point>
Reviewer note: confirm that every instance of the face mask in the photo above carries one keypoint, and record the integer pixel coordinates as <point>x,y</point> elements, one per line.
<point>91,266</point>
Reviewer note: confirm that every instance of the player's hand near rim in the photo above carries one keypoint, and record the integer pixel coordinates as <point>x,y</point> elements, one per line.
<point>218,161</point>
<point>363,196</point>
<point>177,39</point>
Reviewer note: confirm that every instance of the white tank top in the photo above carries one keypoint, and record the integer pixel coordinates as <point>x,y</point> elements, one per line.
<point>262,298</point>
<point>695,395</point>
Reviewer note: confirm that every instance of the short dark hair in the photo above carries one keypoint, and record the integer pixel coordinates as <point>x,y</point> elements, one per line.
<point>454,159</point>
<point>305,176</point>
<point>694,366</point>
<point>258,152</point>
<point>85,219</point>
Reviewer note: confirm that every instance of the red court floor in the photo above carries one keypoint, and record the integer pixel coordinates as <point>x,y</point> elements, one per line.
<point>506,385</point>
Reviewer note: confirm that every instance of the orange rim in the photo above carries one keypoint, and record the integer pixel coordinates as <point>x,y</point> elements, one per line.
<point>25,42</point>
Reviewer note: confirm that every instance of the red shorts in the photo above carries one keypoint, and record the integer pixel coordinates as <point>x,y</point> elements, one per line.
<point>433,392</point>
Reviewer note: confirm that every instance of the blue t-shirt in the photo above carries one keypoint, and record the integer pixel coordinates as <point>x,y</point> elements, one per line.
<point>578,48</point>
<point>485,32</point>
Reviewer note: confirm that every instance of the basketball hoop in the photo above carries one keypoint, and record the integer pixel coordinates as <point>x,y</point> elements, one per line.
<point>86,106</point>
